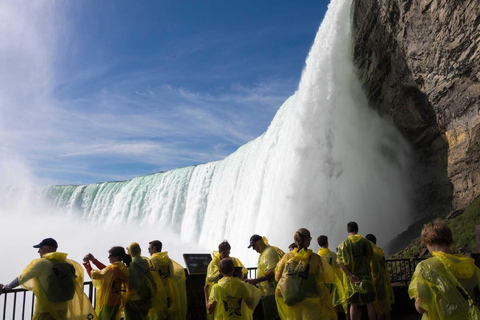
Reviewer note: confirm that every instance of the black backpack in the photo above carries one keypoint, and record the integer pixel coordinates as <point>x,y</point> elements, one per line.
<point>61,282</point>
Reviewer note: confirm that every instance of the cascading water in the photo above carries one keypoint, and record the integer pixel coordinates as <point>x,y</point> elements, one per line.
<point>326,159</point>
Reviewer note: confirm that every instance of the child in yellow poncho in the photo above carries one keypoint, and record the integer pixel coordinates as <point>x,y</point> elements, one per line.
<point>230,297</point>
<point>446,286</point>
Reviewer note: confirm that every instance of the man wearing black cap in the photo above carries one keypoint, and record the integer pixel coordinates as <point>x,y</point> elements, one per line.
<point>57,283</point>
<point>267,261</point>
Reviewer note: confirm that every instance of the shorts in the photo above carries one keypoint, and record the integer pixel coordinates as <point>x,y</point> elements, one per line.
<point>364,298</point>
<point>270,311</point>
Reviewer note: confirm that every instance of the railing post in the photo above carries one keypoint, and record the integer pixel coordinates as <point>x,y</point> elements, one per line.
<point>90,292</point>
<point>23,304</point>
<point>14,304</point>
<point>4,307</point>
<point>33,304</point>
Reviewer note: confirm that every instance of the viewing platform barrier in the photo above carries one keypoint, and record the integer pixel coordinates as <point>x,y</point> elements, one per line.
<point>401,270</point>
<point>19,303</point>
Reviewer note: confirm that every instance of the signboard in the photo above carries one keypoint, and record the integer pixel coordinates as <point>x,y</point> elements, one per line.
<point>197,263</point>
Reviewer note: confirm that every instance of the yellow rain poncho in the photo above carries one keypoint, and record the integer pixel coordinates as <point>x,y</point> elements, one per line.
<point>213,273</point>
<point>172,282</point>
<point>235,299</point>
<point>159,308</point>
<point>267,261</point>
<point>142,288</point>
<point>336,290</point>
<point>437,287</point>
<point>302,276</point>
<point>37,277</point>
<point>181,281</point>
<point>359,266</point>
<point>110,285</point>
<point>384,296</point>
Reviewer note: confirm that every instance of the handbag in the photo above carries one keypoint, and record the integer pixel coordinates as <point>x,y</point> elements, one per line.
<point>299,283</point>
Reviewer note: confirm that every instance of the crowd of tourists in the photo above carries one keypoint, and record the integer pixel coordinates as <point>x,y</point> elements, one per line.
<point>131,286</point>
<point>301,284</point>
<point>298,284</point>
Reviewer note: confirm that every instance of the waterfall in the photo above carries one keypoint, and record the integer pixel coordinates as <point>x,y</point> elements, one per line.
<point>326,159</point>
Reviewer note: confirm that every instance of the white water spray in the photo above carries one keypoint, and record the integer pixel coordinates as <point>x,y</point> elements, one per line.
<point>326,159</point>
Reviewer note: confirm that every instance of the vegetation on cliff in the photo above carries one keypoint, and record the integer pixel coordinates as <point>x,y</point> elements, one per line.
<point>463,229</point>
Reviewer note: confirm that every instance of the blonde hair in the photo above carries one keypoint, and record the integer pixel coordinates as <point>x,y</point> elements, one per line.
<point>134,249</point>
<point>300,236</point>
<point>436,232</point>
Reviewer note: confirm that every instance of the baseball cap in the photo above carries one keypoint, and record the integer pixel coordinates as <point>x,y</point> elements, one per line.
<point>47,242</point>
<point>254,239</point>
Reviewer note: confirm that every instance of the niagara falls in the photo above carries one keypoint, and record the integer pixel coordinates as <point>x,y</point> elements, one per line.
<point>325,159</point>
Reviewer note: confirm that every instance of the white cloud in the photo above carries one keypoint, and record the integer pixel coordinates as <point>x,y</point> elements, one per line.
<point>136,116</point>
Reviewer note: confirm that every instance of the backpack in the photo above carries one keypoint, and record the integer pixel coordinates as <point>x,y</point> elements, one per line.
<point>61,282</point>
<point>299,283</point>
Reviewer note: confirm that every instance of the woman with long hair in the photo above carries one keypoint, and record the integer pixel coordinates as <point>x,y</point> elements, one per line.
<point>110,282</point>
<point>301,274</point>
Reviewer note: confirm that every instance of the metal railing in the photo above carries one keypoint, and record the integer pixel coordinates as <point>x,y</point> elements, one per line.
<point>20,303</point>
<point>401,270</point>
<point>252,273</point>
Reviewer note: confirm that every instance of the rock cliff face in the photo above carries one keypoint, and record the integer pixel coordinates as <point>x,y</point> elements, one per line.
<point>419,62</point>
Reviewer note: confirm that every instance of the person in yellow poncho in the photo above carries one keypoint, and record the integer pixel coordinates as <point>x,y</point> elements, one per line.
<point>301,292</point>
<point>110,282</point>
<point>213,274</point>
<point>142,289</point>
<point>336,290</point>
<point>354,257</point>
<point>384,296</point>
<point>446,286</point>
<point>267,262</point>
<point>230,297</point>
<point>173,280</point>
<point>57,283</point>
<point>181,280</point>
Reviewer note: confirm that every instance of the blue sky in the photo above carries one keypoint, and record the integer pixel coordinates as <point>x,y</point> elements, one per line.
<point>93,91</point>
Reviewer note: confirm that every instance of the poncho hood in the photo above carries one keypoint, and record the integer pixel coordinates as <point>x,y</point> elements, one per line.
<point>134,249</point>
<point>59,256</point>
<point>302,255</point>
<point>378,251</point>
<point>323,251</point>
<point>265,240</point>
<point>460,266</point>
<point>216,255</point>
<point>355,237</point>
<point>161,256</point>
